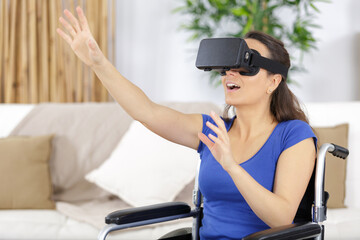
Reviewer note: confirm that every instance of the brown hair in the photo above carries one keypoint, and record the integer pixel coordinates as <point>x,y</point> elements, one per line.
<point>283,105</point>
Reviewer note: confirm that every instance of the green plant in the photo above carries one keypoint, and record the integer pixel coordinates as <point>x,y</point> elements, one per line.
<point>234,18</point>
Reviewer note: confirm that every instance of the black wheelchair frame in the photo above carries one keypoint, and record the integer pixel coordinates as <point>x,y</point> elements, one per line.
<point>307,224</point>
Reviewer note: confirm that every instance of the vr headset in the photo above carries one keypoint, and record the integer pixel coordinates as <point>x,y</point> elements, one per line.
<point>223,54</point>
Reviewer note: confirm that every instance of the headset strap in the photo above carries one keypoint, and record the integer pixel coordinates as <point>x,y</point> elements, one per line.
<point>268,64</point>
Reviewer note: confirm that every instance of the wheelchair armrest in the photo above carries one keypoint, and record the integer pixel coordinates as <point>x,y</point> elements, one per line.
<point>148,212</point>
<point>290,232</point>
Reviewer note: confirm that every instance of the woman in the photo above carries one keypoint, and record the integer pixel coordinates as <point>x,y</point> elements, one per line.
<point>255,166</point>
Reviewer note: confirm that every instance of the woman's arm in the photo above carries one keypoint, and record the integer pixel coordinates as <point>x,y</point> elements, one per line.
<point>168,123</point>
<point>293,173</point>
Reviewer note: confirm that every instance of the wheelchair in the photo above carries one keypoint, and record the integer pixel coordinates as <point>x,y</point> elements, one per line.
<point>307,224</point>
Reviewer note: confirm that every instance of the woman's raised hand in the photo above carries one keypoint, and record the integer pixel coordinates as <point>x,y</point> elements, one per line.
<point>219,146</point>
<point>80,38</point>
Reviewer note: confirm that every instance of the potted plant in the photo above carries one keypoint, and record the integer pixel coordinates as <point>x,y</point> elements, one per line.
<point>234,18</point>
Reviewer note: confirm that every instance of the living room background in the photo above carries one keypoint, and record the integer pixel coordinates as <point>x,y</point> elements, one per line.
<point>154,54</point>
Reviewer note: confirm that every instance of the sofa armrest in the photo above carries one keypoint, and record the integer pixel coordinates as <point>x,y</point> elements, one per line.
<point>148,212</point>
<point>290,232</point>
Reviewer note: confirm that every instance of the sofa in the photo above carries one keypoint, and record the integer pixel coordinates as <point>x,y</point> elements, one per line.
<point>96,159</point>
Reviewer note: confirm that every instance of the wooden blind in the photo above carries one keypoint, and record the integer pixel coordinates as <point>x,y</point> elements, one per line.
<point>37,65</point>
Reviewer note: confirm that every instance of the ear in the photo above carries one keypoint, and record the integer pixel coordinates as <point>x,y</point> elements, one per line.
<point>275,80</point>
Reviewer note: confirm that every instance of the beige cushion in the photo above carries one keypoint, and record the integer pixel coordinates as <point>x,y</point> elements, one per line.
<point>335,170</point>
<point>25,176</point>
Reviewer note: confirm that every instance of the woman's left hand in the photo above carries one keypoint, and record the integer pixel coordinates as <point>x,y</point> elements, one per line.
<point>80,38</point>
<point>220,145</point>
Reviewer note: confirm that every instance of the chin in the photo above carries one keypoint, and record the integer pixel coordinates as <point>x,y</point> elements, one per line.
<point>236,102</point>
<point>229,101</point>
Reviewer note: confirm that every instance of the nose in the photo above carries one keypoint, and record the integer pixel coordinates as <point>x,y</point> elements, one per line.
<point>230,73</point>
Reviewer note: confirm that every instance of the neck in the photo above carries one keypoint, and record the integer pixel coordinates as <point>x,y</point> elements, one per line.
<point>252,121</point>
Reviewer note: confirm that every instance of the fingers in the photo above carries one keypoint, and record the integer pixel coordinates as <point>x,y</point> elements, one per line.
<point>205,140</point>
<point>73,20</point>
<point>68,27</point>
<point>218,120</point>
<point>66,37</point>
<point>215,139</point>
<point>216,130</point>
<point>83,21</point>
<point>75,27</point>
<point>220,129</point>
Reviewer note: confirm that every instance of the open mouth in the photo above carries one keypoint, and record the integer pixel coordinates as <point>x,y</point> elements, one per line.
<point>232,86</point>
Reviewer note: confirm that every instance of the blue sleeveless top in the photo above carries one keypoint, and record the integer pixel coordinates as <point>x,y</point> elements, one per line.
<point>226,213</point>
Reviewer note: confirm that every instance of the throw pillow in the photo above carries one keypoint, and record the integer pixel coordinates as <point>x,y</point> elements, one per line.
<point>186,194</point>
<point>86,134</point>
<point>335,168</point>
<point>25,176</point>
<point>145,168</point>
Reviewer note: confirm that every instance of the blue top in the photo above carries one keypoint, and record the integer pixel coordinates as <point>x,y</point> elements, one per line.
<point>226,213</point>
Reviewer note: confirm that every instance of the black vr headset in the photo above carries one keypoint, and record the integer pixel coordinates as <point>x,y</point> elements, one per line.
<point>223,54</point>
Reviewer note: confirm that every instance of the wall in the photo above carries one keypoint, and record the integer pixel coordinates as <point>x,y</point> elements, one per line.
<point>153,53</point>
<point>333,69</point>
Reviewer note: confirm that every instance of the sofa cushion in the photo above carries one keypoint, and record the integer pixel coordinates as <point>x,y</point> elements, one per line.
<point>145,168</point>
<point>335,170</point>
<point>11,115</point>
<point>24,171</point>
<point>51,225</point>
<point>342,224</point>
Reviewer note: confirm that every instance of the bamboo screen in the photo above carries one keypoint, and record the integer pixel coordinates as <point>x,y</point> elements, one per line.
<point>36,64</point>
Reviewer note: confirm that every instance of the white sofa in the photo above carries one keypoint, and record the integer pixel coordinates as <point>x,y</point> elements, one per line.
<point>67,221</point>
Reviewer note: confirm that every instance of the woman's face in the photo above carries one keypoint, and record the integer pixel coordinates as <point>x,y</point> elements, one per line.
<point>249,89</point>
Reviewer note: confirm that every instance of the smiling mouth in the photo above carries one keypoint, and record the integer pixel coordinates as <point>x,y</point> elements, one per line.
<point>232,86</point>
